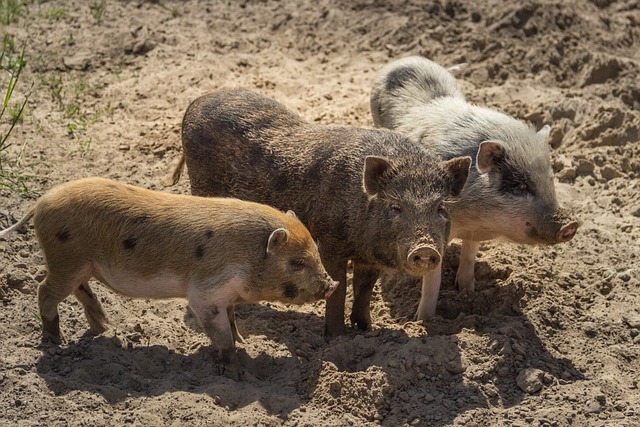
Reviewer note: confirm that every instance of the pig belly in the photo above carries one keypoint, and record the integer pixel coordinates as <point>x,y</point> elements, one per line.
<point>160,285</point>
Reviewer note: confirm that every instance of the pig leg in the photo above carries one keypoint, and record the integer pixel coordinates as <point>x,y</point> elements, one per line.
<point>465,278</point>
<point>429,298</point>
<point>51,292</point>
<point>232,320</point>
<point>216,325</point>
<point>92,308</point>
<point>334,312</point>
<point>210,302</point>
<point>363,281</point>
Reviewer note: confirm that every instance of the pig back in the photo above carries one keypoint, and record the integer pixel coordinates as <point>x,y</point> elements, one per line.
<point>242,144</point>
<point>146,231</point>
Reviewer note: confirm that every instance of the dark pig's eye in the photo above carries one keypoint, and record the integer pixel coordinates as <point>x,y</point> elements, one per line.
<point>442,210</point>
<point>394,210</point>
<point>297,264</point>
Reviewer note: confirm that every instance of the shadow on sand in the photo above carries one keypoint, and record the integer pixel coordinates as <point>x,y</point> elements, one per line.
<point>410,369</point>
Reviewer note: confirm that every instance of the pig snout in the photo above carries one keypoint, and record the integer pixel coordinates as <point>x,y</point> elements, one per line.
<point>559,228</point>
<point>567,232</point>
<point>423,259</point>
<point>330,287</point>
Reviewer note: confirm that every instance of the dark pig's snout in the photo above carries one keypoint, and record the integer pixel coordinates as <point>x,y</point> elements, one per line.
<point>567,232</point>
<point>423,259</point>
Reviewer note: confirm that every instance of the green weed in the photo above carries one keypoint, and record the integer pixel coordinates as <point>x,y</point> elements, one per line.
<point>16,113</point>
<point>57,14</point>
<point>9,11</point>
<point>97,9</point>
<point>174,10</point>
<point>36,316</point>
<point>78,120</point>
<point>16,182</point>
<point>11,67</point>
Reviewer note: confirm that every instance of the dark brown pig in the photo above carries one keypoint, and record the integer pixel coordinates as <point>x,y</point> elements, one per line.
<point>510,191</point>
<point>370,196</point>
<point>148,244</point>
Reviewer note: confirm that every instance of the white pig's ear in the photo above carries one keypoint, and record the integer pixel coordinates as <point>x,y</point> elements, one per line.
<point>277,239</point>
<point>458,171</point>
<point>292,213</point>
<point>455,69</point>
<point>489,154</point>
<point>543,133</point>
<point>374,169</point>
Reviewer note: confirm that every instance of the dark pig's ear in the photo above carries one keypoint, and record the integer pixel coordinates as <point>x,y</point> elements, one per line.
<point>490,154</point>
<point>458,171</point>
<point>277,239</point>
<point>374,168</point>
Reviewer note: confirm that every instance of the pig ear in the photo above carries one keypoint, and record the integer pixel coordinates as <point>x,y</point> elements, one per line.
<point>543,133</point>
<point>374,168</point>
<point>277,239</point>
<point>489,154</point>
<point>458,171</point>
<point>292,213</point>
<point>455,69</point>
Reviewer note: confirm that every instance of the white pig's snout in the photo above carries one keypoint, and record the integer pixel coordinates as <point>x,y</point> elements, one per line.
<point>567,232</point>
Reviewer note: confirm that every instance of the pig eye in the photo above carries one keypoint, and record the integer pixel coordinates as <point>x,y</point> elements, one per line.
<point>523,189</point>
<point>442,211</point>
<point>394,210</point>
<point>297,264</point>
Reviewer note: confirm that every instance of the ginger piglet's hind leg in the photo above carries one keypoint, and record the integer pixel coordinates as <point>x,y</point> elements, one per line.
<point>50,294</point>
<point>58,285</point>
<point>93,310</point>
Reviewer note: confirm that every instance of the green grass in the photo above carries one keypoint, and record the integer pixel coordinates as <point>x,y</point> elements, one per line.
<point>78,120</point>
<point>11,66</point>
<point>12,63</point>
<point>10,11</point>
<point>97,9</point>
<point>57,14</point>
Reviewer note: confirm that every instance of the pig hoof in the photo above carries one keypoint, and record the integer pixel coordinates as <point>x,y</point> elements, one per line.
<point>363,324</point>
<point>56,339</point>
<point>226,355</point>
<point>236,373</point>
<point>98,329</point>
<point>333,331</point>
<point>465,287</point>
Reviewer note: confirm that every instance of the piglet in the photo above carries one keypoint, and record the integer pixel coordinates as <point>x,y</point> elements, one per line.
<point>215,252</point>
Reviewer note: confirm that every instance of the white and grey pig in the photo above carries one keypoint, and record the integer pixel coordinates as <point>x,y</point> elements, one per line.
<point>510,190</point>
<point>215,252</point>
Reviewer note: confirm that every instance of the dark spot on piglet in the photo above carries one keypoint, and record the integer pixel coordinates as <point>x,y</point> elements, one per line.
<point>289,290</point>
<point>129,243</point>
<point>141,219</point>
<point>209,234</point>
<point>63,235</point>
<point>199,252</point>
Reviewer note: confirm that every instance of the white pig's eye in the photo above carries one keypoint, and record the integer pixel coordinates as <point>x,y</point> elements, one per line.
<point>523,188</point>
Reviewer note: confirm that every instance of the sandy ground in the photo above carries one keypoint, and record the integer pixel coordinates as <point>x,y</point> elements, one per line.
<point>108,97</point>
